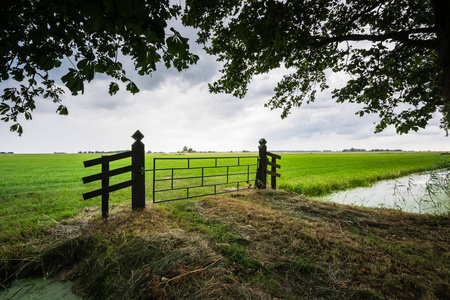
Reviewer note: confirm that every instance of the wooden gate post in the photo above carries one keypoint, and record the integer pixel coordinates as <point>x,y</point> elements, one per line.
<point>138,173</point>
<point>261,174</point>
<point>273,179</point>
<point>105,186</point>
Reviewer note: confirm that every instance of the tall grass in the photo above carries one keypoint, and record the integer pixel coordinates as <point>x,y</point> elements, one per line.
<point>433,196</point>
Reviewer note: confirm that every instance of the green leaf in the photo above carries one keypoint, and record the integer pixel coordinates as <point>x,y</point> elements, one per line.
<point>18,75</point>
<point>113,88</point>
<point>128,8</point>
<point>62,110</point>
<point>16,128</point>
<point>177,45</point>
<point>82,64</point>
<point>73,81</point>
<point>132,88</point>
<point>4,108</point>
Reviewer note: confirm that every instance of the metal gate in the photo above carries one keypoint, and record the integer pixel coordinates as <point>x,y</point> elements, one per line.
<point>190,177</point>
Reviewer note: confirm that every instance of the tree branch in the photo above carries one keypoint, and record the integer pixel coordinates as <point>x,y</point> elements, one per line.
<point>364,12</point>
<point>400,36</point>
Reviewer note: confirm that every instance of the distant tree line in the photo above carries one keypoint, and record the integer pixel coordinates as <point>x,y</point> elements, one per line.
<point>190,150</point>
<point>354,150</point>
<point>381,150</point>
<point>94,152</point>
<point>373,150</point>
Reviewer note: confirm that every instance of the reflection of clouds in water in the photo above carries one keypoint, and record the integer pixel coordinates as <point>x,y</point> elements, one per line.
<point>409,193</point>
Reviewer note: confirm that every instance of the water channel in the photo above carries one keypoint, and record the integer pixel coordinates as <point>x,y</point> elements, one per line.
<point>427,192</point>
<point>39,288</point>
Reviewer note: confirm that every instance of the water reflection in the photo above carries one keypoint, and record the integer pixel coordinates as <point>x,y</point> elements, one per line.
<point>39,288</point>
<point>420,193</point>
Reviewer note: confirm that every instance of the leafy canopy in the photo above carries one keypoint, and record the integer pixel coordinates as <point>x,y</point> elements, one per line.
<point>398,72</point>
<point>36,36</point>
<point>396,52</point>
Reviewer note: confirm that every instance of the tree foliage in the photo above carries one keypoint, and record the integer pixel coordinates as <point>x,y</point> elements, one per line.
<point>396,52</point>
<point>37,36</point>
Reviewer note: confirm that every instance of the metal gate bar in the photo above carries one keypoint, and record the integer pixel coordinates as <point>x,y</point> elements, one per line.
<point>215,165</point>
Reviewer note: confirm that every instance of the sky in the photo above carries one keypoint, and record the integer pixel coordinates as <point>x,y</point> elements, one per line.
<point>174,110</point>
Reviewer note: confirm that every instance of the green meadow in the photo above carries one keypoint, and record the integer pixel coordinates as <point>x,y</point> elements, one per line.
<point>253,244</point>
<point>320,174</point>
<point>37,189</point>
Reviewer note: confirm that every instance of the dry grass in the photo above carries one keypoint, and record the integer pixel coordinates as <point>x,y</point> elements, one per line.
<point>247,245</point>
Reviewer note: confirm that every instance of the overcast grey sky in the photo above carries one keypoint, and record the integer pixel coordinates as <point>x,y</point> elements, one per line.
<point>175,110</point>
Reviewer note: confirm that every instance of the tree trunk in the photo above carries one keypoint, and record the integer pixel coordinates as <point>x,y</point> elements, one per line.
<point>441,10</point>
<point>442,14</point>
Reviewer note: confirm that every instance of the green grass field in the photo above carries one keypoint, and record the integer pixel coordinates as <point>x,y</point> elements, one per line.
<point>257,244</point>
<point>37,190</point>
<point>320,174</point>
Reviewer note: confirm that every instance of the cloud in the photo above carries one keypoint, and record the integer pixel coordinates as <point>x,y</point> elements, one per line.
<point>176,109</point>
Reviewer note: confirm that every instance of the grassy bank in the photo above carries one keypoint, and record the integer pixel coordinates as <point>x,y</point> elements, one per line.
<point>247,245</point>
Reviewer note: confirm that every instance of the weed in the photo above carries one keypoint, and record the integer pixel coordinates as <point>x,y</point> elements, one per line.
<point>240,255</point>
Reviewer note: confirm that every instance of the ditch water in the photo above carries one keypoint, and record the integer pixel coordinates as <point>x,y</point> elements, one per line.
<point>427,192</point>
<point>39,288</point>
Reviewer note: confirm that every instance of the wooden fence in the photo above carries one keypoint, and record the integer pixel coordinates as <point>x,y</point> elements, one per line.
<point>264,162</point>
<point>137,169</point>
